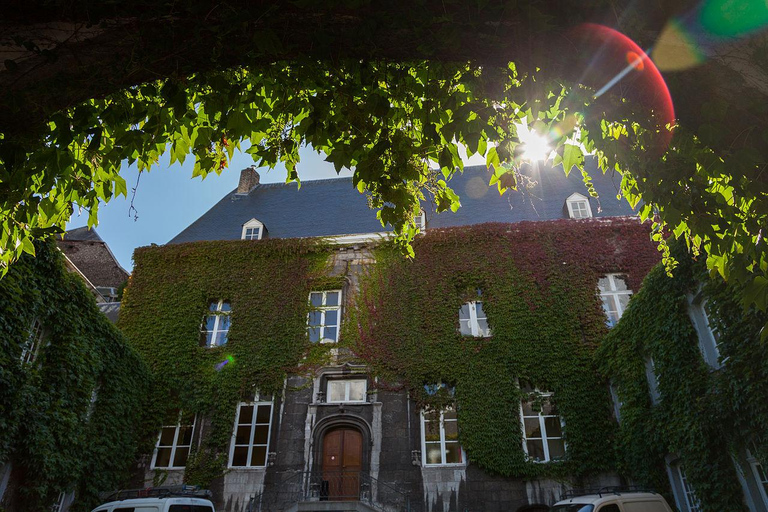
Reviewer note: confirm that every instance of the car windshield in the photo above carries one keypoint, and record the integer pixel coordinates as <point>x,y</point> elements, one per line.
<point>572,507</point>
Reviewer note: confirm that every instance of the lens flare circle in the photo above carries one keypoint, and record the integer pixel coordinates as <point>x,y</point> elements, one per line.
<point>220,365</point>
<point>616,59</point>
<point>676,48</point>
<point>730,19</point>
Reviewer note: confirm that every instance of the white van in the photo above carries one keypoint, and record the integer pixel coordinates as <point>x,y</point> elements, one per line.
<point>613,502</point>
<point>175,504</point>
<point>180,498</point>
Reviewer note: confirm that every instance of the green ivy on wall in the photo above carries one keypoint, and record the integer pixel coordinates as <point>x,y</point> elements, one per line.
<point>267,283</point>
<point>538,285</point>
<point>703,415</point>
<point>56,439</point>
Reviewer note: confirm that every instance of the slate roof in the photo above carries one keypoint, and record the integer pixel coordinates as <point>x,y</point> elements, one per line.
<point>82,234</point>
<point>334,207</point>
<point>91,255</point>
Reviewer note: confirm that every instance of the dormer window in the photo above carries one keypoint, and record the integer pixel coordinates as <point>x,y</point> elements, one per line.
<point>578,206</point>
<point>420,219</point>
<point>252,230</point>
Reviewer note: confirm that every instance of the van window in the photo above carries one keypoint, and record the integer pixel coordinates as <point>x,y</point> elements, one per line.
<point>190,508</point>
<point>644,506</point>
<point>609,508</point>
<point>572,507</point>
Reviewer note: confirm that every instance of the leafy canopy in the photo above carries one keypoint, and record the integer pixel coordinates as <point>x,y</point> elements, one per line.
<point>399,126</point>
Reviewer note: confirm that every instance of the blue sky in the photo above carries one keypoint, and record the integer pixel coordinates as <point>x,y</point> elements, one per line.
<point>168,199</point>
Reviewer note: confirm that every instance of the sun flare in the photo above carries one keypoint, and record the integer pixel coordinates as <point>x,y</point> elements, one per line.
<point>534,147</point>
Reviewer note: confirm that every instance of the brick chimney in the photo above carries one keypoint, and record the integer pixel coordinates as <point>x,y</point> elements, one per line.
<point>249,178</point>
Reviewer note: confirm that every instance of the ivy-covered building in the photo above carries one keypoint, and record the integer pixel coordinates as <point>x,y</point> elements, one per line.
<point>299,360</point>
<point>689,376</point>
<point>71,390</point>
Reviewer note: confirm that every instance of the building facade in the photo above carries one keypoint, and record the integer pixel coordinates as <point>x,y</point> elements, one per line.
<point>301,363</point>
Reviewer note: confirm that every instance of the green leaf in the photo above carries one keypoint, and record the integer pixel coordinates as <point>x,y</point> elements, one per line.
<point>756,293</point>
<point>27,246</point>
<point>121,188</point>
<point>446,158</point>
<point>572,156</point>
<point>492,158</point>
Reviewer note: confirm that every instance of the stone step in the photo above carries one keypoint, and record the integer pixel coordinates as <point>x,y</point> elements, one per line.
<point>333,506</point>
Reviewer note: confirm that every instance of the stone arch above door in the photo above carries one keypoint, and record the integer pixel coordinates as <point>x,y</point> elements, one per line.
<point>342,420</point>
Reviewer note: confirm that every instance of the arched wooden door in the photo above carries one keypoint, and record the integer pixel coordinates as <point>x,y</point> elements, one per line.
<point>342,464</point>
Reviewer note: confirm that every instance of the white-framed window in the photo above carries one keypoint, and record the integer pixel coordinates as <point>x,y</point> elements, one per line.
<point>473,320</point>
<point>761,477</point>
<point>542,426</point>
<point>346,390</point>
<point>324,316</point>
<point>617,403</point>
<point>578,206</point>
<point>61,502</point>
<point>32,345</point>
<point>251,435</point>
<point>92,402</point>
<point>653,380</point>
<point>440,438</point>
<point>615,296</point>
<point>252,230</point>
<point>216,323</point>
<point>420,219</point>
<point>689,496</point>
<point>174,442</point>
<point>708,337</point>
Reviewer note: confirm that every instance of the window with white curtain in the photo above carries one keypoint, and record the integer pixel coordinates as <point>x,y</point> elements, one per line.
<point>346,390</point>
